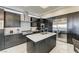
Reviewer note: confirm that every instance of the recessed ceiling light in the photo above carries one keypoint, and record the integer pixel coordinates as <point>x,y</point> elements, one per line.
<point>43,7</point>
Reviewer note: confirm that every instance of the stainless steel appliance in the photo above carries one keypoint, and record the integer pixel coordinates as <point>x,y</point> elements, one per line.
<point>44,30</point>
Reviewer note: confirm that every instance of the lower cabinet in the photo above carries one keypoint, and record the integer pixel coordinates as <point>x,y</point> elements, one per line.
<point>2,39</point>
<point>69,38</point>
<point>13,40</point>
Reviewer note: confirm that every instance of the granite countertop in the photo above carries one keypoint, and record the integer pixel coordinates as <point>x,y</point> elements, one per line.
<point>38,36</point>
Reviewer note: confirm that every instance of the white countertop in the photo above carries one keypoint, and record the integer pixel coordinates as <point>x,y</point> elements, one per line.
<point>38,36</point>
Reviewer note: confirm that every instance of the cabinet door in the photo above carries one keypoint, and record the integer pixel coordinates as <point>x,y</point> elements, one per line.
<point>13,40</point>
<point>33,22</point>
<point>9,41</point>
<point>20,39</point>
<point>12,19</point>
<point>38,24</point>
<point>1,39</point>
<point>50,24</point>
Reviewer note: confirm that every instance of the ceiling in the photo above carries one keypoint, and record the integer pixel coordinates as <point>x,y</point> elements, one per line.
<point>35,10</point>
<point>38,9</point>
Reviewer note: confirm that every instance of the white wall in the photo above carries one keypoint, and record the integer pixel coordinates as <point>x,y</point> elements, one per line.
<point>25,26</point>
<point>1,24</point>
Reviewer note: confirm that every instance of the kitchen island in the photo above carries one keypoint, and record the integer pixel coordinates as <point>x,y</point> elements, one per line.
<point>41,43</point>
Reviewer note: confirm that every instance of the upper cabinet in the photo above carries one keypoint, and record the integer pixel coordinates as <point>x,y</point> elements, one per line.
<point>11,19</point>
<point>25,17</point>
<point>33,22</point>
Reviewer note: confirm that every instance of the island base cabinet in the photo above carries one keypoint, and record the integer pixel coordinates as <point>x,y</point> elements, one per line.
<point>43,46</point>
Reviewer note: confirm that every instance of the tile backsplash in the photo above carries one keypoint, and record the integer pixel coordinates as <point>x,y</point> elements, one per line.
<point>11,31</point>
<point>25,26</point>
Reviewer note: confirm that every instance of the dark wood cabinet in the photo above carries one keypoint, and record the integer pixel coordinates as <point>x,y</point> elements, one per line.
<point>11,19</point>
<point>33,22</point>
<point>13,40</point>
<point>43,46</point>
<point>2,39</point>
<point>50,23</point>
<point>38,24</point>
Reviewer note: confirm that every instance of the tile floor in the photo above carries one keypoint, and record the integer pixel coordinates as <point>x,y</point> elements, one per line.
<point>17,49</point>
<point>62,47</point>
